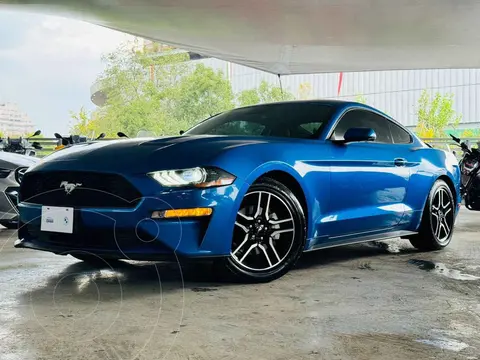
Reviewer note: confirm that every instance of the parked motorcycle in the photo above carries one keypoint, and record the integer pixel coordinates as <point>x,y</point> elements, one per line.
<point>469,168</point>
<point>64,141</point>
<point>21,145</point>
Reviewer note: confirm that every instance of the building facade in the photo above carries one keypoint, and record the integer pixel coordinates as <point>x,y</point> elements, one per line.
<point>14,122</point>
<point>393,92</point>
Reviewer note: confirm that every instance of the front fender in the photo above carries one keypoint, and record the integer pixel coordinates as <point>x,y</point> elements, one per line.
<point>274,166</point>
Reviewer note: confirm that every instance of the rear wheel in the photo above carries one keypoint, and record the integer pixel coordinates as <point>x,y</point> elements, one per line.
<point>438,219</point>
<point>269,233</point>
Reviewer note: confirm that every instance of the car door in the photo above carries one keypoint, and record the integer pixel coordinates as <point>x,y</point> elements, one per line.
<point>369,180</point>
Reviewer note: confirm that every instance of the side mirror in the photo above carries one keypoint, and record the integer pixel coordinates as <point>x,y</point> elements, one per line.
<point>36,133</point>
<point>57,135</point>
<point>101,136</point>
<point>121,134</point>
<point>181,132</point>
<point>359,134</point>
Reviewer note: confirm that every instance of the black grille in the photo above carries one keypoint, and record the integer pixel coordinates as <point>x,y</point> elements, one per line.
<point>99,190</point>
<point>101,239</point>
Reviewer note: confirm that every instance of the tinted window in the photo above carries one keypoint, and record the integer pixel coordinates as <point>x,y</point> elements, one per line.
<point>364,119</point>
<point>312,127</point>
<point>240,128</point>
<point>304,120</point>
<point>399,135</point>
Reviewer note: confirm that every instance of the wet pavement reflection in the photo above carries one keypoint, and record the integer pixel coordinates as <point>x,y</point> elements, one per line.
<point>372,301</point>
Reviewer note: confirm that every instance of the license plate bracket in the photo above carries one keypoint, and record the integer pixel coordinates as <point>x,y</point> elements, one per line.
<point>57,219</point>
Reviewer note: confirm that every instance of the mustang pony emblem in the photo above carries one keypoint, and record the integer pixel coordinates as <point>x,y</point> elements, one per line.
<point>69,187</point>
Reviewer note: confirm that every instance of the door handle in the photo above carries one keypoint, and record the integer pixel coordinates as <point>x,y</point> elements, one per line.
<point>400,162</point>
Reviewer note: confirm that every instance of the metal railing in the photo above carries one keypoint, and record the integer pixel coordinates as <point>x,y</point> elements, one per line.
<point>445,143</point>
<point>49,144</point>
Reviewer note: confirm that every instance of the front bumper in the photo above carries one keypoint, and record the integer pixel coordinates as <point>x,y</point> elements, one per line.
<point>132,234</point>
<point>8,204</point>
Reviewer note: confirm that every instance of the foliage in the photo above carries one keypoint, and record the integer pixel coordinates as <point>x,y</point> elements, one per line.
<point>162,93</point>
<point>469,133</point>
<point>305,91</point>
<point>361,99</point>
<point>265,93</point>
<point>137,87</point>
<point>197,96</point>
<point>435,113</point>
<point>83,125</point>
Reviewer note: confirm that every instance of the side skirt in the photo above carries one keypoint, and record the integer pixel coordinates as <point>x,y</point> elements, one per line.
<point>360,239</point>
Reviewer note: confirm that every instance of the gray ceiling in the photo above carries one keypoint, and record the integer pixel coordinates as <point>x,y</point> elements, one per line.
<point>297,36</point>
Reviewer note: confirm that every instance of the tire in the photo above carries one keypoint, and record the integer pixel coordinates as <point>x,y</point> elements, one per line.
<point>436,228</point>
<point>266,244</point>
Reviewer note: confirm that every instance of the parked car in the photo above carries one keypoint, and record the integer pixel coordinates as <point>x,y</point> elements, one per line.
<point>251,189</point>
<point>9,186</point>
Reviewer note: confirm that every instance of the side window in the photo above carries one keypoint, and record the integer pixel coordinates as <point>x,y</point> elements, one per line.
<point>399,135</point>
<point>349,120</point>
<point>312,127</point>
<point>364,119</point>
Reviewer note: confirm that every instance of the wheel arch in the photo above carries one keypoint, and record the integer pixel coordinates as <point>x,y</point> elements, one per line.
<point>289,177</point>
<point>292,183</point>
<point>452,188</point>
<point>451,185</point>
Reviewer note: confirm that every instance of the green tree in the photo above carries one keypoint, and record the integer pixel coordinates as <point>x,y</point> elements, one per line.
<point>198,95</point>
<point>305,91</point>
<point>265,93</point>
<point>138,87</point>
<point>83,124</point>
<point>435,113</point>
<point>361,99</point>
<point>163,93</point>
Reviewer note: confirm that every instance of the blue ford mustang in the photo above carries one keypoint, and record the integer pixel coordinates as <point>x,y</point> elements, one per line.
<point>250,188</point>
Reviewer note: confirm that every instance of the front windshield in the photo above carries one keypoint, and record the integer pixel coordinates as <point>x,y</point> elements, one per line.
<point>303,120</point>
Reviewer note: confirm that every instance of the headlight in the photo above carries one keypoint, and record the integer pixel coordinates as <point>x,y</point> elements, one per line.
<point>202,177</point>
<point>4,173</point>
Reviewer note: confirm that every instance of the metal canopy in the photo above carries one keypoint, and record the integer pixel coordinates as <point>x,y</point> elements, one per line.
<point>297,36</point>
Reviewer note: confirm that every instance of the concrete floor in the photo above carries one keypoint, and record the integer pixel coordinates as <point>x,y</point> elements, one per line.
<point>372,301</point>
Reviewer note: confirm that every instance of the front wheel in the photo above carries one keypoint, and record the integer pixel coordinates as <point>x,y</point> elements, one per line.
<point>436,228</point>
<point>269,233</point>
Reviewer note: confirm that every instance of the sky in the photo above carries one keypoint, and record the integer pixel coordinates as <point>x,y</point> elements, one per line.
<point>47,65</point>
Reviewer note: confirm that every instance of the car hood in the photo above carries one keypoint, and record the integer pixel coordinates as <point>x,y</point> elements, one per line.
<point>12,160</point>
<point>144,155</point>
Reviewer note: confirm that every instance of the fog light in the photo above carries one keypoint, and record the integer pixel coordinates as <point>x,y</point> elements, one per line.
<point>181,213</point>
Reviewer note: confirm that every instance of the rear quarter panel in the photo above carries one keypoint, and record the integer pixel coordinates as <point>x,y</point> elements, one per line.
<point>434,163</point>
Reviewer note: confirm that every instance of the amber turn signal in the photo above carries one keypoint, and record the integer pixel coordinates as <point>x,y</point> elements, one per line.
<point>181,213</point>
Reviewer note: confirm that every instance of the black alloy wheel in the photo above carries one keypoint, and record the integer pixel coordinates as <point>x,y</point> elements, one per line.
<point>438,219</point>
<point>269,233</point>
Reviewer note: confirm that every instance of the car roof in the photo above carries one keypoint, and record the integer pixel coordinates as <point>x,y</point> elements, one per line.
<point>340,104</point>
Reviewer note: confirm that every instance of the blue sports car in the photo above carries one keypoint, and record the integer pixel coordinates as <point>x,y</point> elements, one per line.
<point>250,189</point>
